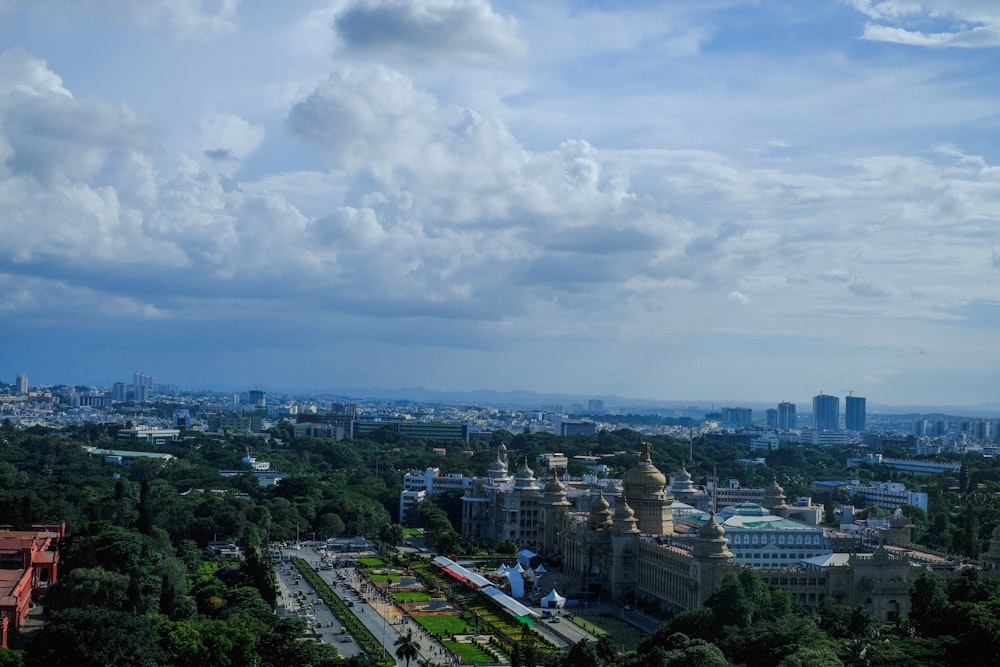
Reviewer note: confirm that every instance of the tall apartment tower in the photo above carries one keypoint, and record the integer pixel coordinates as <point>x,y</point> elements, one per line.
<point>826,412</point>
<point>119,392</point>
<point>854,413</point>
<point>739,417</point>
<point>771,418</point>
<point>786,416</point>
<point>21,383</point>
<point>143,380</point>
<point>258,398</point>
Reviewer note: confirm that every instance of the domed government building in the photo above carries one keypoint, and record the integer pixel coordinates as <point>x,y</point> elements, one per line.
<point>630,540</point>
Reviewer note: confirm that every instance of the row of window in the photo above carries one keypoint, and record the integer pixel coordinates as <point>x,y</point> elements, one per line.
<point>777,555</point>
<point>773,538</point>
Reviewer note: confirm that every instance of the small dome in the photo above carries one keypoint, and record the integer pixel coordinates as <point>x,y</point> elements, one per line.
<point>599,504</point>
<point>683,475</point>
<point>774,487</point>
<point>622,510</point>
<point>711,530</point>
<point>554,486</point>
<point>524,472</point>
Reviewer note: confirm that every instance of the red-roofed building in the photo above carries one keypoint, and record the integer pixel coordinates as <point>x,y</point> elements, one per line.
<point>29,559</point>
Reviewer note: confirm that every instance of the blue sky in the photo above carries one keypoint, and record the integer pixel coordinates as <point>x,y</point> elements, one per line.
<point>709,199</point>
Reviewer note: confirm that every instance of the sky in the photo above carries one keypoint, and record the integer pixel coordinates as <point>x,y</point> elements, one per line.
<point>727,199</point>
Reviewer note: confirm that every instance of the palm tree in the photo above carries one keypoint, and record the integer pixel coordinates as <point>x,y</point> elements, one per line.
<point>407,647</point>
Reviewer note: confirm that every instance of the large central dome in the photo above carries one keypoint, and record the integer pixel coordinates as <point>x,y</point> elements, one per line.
<point>644,479</point>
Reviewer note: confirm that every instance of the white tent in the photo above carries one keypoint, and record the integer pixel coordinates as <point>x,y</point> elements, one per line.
<point>553,600</point>
<point>501,571</point>
<point>540,569</point>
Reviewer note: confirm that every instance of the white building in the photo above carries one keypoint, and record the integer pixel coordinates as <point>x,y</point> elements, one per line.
<point>889,495</point>
<point>152,435</point>
<point>766,440</point>
<point>760,539</point>
<point>419,485</point>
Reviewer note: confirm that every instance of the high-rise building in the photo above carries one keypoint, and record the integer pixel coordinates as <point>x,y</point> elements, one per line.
<point>257,398</point>
<point>21,384</point>
<point>771,417</point>
<point>738,417</point>
<point>786,416</point>
<point>826,412</point>
<point>119,392</point>
<point>854,413</point>
<point>143,380</point>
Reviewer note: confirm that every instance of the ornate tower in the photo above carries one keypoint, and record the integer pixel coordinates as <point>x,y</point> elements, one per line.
<point>774,499</point>
<point>711,552</point>
<point>645,488</point>
<point>624,550</point>
<point>554,506</point>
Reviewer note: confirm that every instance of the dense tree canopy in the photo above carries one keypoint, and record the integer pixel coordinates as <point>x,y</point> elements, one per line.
<point>135,589</point>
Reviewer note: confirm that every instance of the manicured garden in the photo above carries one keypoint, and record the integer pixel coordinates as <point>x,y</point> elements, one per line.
<point>471,653</point>
<point>444,625</point>
<point>411,596</point>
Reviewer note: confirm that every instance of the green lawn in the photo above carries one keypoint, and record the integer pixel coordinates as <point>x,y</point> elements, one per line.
<point>372,562</point>
<point>620,631</point>
<point>469,653</point>
<point>413,531</point>
<point>415,596</point>
<point>441,625</point>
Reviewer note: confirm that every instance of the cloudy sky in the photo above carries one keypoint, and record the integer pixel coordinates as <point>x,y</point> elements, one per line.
<point>726,199</point>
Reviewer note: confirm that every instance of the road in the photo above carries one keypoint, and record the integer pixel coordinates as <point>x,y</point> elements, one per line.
<point>383,619</point>
<point>326,626</point>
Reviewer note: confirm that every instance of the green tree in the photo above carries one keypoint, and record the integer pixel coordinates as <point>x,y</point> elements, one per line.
<point>95,637</point>
<point>407,647</point>
<point>89,586</point>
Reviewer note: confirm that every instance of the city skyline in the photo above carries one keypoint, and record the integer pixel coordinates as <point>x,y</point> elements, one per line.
<point>731,199</point>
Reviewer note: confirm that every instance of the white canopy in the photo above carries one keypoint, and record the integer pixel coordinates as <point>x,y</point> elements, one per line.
<point>540,569</point>
<point>553,600</point>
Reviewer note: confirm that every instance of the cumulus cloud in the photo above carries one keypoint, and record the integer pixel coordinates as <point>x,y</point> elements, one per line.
<point>392,193</point>
<point>225,141</point>
<point>368,117</point>
<point>443,31</point>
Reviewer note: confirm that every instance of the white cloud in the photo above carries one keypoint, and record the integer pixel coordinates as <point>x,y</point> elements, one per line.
<point>223,141</point>
<point>739,297</point>
<point>184,18</point>
<point>368,117</point>
<point>600,181</point>
<point>960,23</point>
